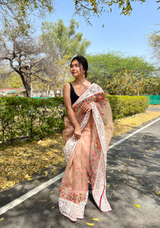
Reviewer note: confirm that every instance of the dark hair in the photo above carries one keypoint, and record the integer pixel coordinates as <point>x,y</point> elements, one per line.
<point>83,61</point>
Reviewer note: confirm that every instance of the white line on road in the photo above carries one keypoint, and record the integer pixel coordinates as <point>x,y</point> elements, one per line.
<point>29,194</point>
<point>127,137</point>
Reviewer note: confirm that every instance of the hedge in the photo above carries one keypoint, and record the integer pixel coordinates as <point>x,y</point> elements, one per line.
<point>21,116</point>
<point>39,117</point>
<point>124,106</point>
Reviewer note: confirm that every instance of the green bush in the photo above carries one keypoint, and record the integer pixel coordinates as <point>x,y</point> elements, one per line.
<point>39,117</point>
<point>30,117</point>
<point>124,106</point>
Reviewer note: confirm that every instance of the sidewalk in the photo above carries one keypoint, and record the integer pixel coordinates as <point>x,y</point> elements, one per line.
<point>133,180</point>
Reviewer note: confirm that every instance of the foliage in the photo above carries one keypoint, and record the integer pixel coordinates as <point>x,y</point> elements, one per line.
<point>124,106</point>
<point>88,8</point>
<point>128,82</point>
<point>19,11</point>
<point>103,66</point>
<point>30,117</point>
<point>152,86</point>
<point>65,40</point>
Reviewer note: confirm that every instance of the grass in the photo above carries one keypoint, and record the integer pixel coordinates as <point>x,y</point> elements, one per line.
<point>22,160</point>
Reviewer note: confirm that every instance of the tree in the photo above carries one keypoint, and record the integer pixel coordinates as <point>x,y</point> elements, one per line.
<point>127,82</point>
<point>65,40</point>
<point>154,42</point>
<point>102,67</point>
<point>26,57</point>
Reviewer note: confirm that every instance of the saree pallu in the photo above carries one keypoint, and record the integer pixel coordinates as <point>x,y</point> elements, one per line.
<point>86,157</point>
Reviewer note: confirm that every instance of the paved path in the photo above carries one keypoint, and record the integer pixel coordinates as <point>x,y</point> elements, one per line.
<point>133,177</point>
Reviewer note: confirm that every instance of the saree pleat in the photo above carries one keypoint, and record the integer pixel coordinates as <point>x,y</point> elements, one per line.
<point>86,157</point>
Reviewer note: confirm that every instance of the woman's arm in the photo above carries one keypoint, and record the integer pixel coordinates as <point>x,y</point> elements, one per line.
<point>71,115</point>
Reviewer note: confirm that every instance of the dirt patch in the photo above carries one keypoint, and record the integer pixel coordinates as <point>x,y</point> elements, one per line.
<point>23,159</point>
<point>123,125</point>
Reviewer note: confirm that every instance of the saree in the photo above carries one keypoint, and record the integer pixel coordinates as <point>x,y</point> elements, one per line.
<point>86,157</point>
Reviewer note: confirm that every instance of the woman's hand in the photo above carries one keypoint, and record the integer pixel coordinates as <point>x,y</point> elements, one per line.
<point>77,132</point>
<point>86,107</point>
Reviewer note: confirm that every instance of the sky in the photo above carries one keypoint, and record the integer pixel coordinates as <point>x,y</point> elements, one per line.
<point>126,34</point>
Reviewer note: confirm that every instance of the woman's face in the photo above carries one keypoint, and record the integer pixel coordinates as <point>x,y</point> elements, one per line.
<point>77,69</point>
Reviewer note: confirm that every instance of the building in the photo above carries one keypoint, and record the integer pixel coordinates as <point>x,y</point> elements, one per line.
<point>21,92</point>
<point>4,92</point>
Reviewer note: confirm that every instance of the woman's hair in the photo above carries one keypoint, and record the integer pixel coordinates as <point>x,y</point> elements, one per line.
<point>83,61</point>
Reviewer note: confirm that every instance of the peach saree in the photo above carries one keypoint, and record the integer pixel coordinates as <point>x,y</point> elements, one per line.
<point>86,157</point>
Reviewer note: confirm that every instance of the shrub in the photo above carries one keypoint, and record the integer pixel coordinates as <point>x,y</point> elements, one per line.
<point>124,106</point>
<point>39,117</point>
<point>30,117</point>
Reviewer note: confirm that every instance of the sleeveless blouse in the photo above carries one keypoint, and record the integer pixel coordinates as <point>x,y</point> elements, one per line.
<point>73,95</point>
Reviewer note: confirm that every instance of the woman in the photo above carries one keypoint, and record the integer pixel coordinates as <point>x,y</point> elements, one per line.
<point>87,136</point>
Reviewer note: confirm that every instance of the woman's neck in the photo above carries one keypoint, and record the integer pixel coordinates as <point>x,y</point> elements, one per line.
<point>80,80</point>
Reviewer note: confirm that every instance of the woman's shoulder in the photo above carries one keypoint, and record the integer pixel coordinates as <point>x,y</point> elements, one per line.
<point>66,87</point>
<point>68,84</point>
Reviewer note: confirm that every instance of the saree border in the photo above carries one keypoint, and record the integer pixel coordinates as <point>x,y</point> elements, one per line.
<point>99,190</point>
<point>74,211</point>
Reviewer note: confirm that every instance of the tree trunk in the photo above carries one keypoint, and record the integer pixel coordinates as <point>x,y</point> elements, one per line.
<point>27,84</point>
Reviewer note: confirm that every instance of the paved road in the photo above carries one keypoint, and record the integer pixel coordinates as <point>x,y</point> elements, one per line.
<point>153,108</point>
<point>133,177</point>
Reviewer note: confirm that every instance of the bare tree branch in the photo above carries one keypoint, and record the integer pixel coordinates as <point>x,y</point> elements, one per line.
<point>27,58</point>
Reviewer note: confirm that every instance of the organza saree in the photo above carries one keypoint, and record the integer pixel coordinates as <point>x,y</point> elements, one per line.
<point>86,157</point>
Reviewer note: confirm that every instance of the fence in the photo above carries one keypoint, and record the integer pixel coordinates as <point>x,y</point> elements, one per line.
<point>154,99</point>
